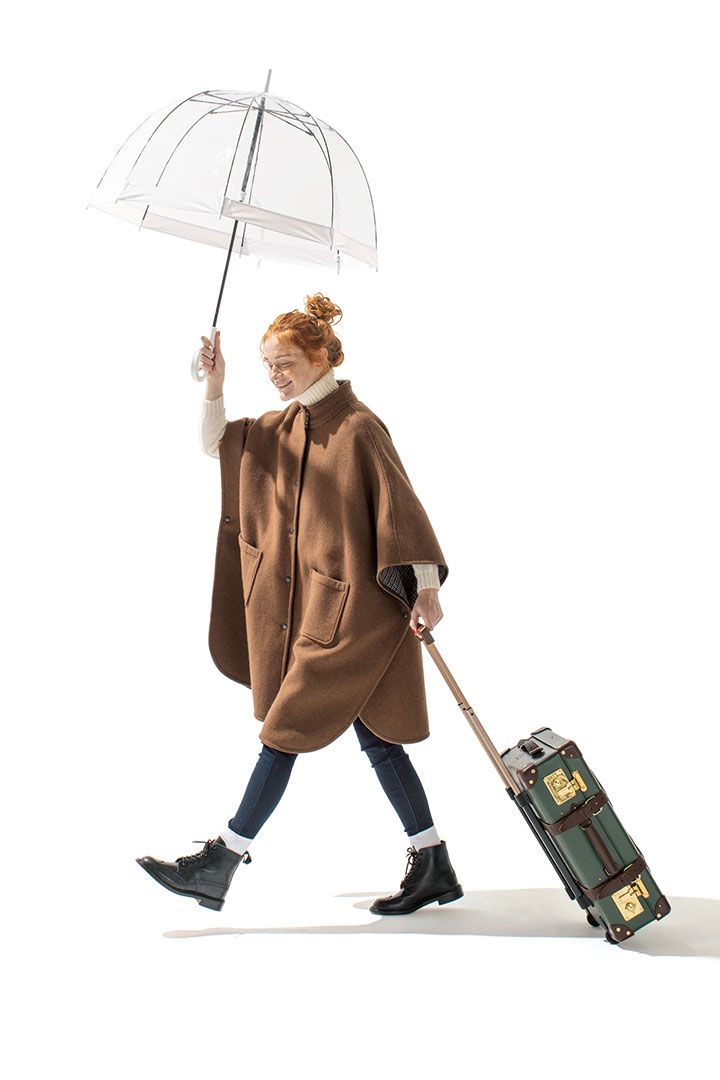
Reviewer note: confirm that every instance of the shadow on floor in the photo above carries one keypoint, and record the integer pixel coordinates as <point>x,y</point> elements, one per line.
<point>692,928</point>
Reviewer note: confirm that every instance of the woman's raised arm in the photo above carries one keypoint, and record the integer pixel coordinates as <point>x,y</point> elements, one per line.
<point>213,420</point>
<point>212,425</point>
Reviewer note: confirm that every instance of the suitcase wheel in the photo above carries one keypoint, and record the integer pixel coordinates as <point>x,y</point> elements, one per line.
<point>591,919</point>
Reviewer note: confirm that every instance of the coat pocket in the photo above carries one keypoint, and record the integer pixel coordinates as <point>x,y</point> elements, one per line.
<point>250,557</point>
<point>325,602</point>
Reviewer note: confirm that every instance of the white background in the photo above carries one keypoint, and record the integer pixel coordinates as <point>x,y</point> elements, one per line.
<point>541,339</point>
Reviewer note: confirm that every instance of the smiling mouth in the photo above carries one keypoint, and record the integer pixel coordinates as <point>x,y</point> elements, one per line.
<point>283,385</point>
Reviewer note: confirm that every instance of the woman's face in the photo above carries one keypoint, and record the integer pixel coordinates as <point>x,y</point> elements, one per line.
<point>291,371</point>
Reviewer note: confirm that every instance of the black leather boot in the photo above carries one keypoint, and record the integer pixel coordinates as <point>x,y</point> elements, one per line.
<point>429,876</point>
<point>205,876</point>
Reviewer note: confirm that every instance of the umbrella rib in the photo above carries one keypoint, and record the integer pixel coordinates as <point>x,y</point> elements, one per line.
<point>372,204</point>
<point>190,98</point>
<point>226,101</point>
<point>187,132</point>
<point>137,129</point>
<point>284,118</point>
<point>317,123</point>
<point>193,97</point>
<point>284,115</point>
<point>300,119</point>
<point>328,162</point>
<point>233,105</point>
<point>177,144</point>
<point>247,110</point>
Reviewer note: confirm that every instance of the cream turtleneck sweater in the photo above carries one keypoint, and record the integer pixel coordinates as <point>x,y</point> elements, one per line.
<point>212,427</point>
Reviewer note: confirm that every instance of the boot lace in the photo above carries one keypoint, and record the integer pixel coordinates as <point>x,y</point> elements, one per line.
<point>185,862</point>
<point>411,867</point>
<point>198,857</point>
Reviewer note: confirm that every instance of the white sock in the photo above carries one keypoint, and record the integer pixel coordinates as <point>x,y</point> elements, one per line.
<point>235,841</point>
<point>426,838</point>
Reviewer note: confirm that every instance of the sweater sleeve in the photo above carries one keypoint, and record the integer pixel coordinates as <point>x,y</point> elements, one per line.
<point>212,425</point>
<point>427,575</point>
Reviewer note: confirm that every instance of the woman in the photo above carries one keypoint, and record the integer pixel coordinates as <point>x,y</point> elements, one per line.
<point>338,560</point>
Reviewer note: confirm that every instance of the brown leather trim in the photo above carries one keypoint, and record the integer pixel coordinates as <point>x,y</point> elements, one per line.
<point>578,815</point>
<point>662,907</point>
<point>618,882</point>
<point>601,849</point>
<point>620,931</point>
<point>528,776</point>
<point>568,749</point>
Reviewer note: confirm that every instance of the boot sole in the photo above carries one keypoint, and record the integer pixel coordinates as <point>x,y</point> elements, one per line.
<point>446,898</point>
<point>203,901</point>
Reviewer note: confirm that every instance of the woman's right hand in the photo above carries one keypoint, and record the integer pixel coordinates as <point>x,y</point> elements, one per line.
<point>212,361</point>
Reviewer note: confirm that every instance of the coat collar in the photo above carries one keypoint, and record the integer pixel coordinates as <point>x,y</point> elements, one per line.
<point>329,405</point>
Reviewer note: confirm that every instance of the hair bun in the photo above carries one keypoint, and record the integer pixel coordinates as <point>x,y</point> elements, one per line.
<point>321,307</point>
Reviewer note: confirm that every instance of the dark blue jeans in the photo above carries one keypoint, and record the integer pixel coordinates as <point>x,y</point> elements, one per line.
<point>392,766</point>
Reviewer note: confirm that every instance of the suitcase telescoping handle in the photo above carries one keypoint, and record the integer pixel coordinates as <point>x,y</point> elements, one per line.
<point>508,780</point>
<point>520,798</point>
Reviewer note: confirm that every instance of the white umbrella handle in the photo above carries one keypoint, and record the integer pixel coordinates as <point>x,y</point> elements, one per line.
<point>196,371</point>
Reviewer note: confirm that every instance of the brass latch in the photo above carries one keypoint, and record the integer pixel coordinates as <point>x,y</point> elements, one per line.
<point>628,899</point>
<point>562,787</point>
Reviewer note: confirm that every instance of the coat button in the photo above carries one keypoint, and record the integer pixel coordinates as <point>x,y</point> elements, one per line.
<point>226,518</point>
<point>284,625</point>
<point>297,483</point>
<point>405,615</point>
<point>291,529</point>
<point>287,577</point>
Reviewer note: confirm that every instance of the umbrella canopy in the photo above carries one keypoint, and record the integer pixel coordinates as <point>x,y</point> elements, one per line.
<point>196,167</point>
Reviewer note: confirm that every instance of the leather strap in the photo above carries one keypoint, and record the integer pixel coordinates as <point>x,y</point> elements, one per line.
<point>531,747</point>
<point>578,815</point>
<point>616,882</point>
<point>602,851</point>
<point>582,816</point>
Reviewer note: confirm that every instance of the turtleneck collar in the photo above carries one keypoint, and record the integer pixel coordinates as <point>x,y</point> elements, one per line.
<point>333,402</point>
<point>319,389</point>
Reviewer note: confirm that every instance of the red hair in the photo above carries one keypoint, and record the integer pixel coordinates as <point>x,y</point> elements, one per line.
<point>310,330</point>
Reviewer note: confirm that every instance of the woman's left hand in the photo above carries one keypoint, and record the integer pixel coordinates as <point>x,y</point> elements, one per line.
<point>427,607</point>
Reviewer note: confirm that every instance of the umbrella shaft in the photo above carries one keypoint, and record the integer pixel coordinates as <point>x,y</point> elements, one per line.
<point>227,263</point>
<point>251,155</point>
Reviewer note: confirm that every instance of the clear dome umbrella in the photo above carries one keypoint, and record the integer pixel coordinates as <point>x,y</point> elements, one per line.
<point>249,173</point>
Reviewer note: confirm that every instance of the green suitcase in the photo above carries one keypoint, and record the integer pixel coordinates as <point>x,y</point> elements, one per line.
<point>569,811</point>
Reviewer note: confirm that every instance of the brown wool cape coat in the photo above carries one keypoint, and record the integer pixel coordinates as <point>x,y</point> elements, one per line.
<point>314,586</point>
